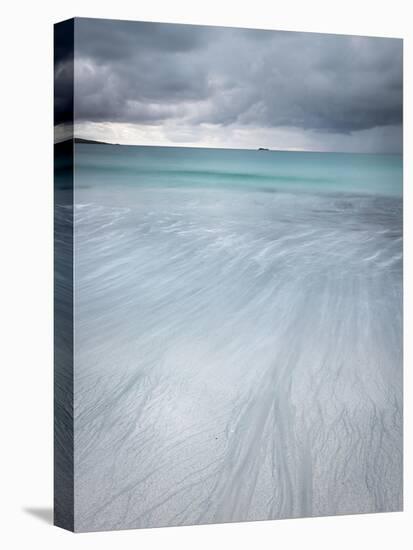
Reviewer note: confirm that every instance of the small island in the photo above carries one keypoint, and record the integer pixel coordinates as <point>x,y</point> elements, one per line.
<point>263,149</point>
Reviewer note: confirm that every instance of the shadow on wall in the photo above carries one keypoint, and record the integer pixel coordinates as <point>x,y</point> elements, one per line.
<point>43,514</point>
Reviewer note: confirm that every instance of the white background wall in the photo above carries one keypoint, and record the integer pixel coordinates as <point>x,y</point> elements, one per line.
<point>26,272</point>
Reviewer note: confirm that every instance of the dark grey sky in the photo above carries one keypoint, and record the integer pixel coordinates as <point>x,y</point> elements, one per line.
<point>171,84</point>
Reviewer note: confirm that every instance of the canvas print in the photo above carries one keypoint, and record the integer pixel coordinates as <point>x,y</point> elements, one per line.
<point>228,274</point>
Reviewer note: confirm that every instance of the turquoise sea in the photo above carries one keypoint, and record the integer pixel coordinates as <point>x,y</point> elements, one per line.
<point>238,335</point>
<point>289,171</point>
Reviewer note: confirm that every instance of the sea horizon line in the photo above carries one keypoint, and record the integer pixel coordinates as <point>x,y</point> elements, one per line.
<point>262,149</point>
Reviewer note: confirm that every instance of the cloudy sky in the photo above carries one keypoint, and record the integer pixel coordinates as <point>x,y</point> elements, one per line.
<point>165,84</point>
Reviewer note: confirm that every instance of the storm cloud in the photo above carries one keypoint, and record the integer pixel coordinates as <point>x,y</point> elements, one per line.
<point>193,84</point>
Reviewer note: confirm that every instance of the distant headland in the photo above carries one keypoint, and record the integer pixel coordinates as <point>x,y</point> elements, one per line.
<point>92,141</point>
